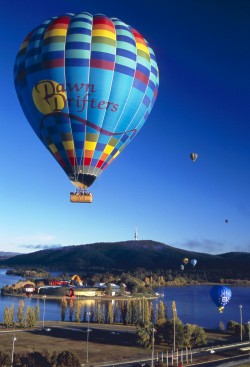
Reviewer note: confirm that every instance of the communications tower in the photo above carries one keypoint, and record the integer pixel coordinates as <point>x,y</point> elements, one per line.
<point>136,234</point>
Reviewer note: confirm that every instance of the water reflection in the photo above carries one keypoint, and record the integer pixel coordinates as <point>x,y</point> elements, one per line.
<point>193,304</point>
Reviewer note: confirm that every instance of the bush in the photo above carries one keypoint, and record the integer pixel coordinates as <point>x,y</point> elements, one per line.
<point>66,359</point>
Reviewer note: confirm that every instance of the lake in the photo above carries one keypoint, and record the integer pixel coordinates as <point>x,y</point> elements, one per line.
<point>193,303</point>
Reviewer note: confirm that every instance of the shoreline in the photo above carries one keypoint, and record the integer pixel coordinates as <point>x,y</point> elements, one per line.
<point>83,298</point>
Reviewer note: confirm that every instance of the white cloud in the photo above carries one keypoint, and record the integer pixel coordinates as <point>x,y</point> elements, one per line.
<point>34,239</point>
<point>24,242</point>
<point>203,245</point>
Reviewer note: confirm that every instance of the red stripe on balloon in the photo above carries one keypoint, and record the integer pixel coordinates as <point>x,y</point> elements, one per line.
<point>142,77</point>
<point>102,20</point>
<point>102,64</point>
<point>61,22</point>
<point>99,164</point>
<point>57,63</point>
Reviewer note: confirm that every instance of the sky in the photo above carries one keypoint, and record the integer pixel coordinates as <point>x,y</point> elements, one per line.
<point>203,106</point>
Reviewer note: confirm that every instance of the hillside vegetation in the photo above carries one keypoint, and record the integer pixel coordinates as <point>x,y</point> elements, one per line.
<point>130,256</point>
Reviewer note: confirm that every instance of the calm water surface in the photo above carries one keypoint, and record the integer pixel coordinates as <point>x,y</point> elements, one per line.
<point>194,304</point>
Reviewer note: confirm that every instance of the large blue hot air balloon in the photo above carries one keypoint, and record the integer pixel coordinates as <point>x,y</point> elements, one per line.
<point>221,295</point>
<point>86,85</point>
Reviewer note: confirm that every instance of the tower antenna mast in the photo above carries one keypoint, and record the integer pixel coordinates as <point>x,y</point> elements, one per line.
<point>136,234</point>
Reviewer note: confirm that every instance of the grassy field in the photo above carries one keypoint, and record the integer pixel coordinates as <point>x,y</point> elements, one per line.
<point>106,343</point>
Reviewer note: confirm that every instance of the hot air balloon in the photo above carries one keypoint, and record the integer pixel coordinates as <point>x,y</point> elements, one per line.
<point>193,156</point>
<point>182,267</point>
<point>193,262</point>
<point>226,220</point>
<point>185,260</point>
<point>86,84</point>
<point>220,295</point>
<point>29,289</point>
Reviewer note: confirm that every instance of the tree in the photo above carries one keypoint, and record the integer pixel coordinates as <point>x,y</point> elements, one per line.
<point>8,318</point>
<point>78,311</point>
<point>4,359</point>
<point>146,313</point>
<point>123,312</point>
<point>37,312</point>
<point>35,359</point>
<point>98,313</point>
<point>84,315</point>
<point>195,336</point>
<point>63,308</point>
<point>71,309</point>
<point>135,318</point>
<point>108,290</point>
<point>20,314</point>
<point>198,337</point>
<point>30,317</point>
<point>144,335</point>
<point>160,330</point>
<point>129,313</point>
<point>122,289</point>
<point>91,313</point>
<point>179,333</point>
<point>231,325</point>
<point>161,311</point>
<point>174,310</point>
<point>66,358</point>
<point>116,312</point>
<point>110,313</point>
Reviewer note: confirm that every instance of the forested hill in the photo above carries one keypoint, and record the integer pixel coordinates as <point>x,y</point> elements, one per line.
<point>130,255</point>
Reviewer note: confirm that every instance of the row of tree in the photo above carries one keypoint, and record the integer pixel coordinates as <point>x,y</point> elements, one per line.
<point>21,318</point>
<point>36,359</point>
<point>171,331</point>
<point>127,312</point>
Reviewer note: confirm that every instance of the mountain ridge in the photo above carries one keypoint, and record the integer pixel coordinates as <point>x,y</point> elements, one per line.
<point>130,255</point>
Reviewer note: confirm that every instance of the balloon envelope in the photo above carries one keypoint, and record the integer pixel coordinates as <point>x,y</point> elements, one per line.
<point>193,156</point>
<point>28,289</point>
<point>185,260</point>
<point>220,295</point>
<point>193,262</point>
<point>86,84</point>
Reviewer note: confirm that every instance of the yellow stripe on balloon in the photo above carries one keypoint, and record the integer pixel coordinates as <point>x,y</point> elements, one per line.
<point>116,154</point>
<point>68,145</point>
<point>56,32</point>
<point>90,145</point>
<point>103,33</point>
<point>108,149</point>
<point>53,148</point>
<point>142,47</point>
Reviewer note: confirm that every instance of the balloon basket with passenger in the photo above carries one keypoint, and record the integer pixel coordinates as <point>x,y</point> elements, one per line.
<point>81,196</point>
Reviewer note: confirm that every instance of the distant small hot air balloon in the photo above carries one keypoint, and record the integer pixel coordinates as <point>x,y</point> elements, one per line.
<point>220,295</point>
<point>193,156</point>
<point>226,220</point>
<point>29,289</point>
<point>185,260</point>
<point>182,267</point>
<point>193,262</point>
